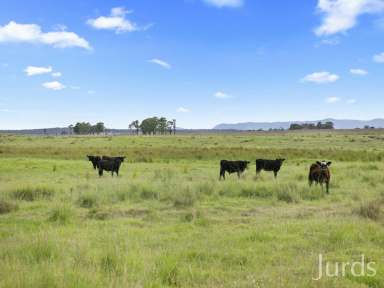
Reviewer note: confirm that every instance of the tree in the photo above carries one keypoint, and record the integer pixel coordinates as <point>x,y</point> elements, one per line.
<point>162,125</point>
<point>99,128</point>
<point>135,124</point>
<point>170,126</point>
<point>149,126</point>
<point>328,125</point>
<point>82,128</point>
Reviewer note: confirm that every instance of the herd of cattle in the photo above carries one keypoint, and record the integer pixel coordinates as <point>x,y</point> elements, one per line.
<point>318,172</point>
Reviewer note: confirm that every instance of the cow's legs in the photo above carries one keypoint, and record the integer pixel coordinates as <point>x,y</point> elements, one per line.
<point>275,173</point>
<point>100,172</point>
<point>327,187</point>
<point>222,174</point>
<point>238,174</point>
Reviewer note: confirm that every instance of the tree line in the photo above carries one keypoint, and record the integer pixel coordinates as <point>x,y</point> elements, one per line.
<point>153,126</point>
<point>148,126</point>
<point>83,128</point>
<point>310,126</point>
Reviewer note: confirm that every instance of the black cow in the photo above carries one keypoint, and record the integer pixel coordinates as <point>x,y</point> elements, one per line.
<point>232,167</point>
<point>111,165</point>
<point>319,173</point>
<point>269,165</point>
<point>95,160</point>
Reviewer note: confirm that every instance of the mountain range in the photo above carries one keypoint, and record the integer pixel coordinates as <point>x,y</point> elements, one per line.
<point>338,124</point>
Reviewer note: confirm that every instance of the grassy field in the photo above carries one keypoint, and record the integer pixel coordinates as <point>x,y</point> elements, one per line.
<point>167,221</point>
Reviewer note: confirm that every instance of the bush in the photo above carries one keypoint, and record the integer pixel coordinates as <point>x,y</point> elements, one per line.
<point>33,193</point>
<point>370,210</point>
<point>7,207</point>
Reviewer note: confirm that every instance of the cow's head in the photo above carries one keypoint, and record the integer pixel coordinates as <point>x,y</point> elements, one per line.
<point>95,160</point>
<point>246,163</point>
<point>281,160</point>
<point>121,158</point>
<point>323,164</point>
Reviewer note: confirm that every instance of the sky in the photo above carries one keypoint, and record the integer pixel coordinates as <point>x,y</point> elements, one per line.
<point>202,62</point>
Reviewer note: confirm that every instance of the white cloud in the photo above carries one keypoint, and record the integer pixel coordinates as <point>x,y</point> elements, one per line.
<point>225,3</point>
<point>160,62</point>
<point>54,85</point>
<point>74,87</point>
<point>222,95</point>
<point>331,100</point>
<point>341,15</point>
<point>360,72</point>
<point>56,74</point>
<point>31,33</point>
<point>351,101</point>
<point>321,77</point>
<point>379,58</point>
<point>182,110</point>
<point>35,70</point>
<point>116,21</point>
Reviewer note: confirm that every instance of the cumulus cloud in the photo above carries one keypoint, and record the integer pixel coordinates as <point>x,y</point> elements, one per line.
<point>222,95</point>
<point>161,63</point>
<point>32,33</point>
<point>54,85</point>
<point>116,21</point>
<point>359,72</point>
<point>351,101</point>
<point>56,74</point>
<point>379,58</point>
<point>321,77</point>
<point>341,15</point>
<point>331,100</point>
<point>225,3</point>
<point>182,110</point>
<point>35,70</point>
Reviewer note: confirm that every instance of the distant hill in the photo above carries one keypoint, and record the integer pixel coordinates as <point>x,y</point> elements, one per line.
<point>338,124</point>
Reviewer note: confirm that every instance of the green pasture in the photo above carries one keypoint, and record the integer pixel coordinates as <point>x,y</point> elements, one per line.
<point>167,221</point>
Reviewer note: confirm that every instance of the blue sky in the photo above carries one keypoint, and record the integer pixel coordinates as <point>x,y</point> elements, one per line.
<point>202,62</point>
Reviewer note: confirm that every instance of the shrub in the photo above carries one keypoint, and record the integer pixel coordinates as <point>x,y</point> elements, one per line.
<point>33,193</point>
<point>7,207</point>
<point>370,210</point>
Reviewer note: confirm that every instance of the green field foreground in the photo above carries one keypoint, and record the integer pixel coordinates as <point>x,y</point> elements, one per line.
<point>167,221</point>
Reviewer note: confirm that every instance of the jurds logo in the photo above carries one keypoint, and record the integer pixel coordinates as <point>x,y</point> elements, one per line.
<point>359,268</point>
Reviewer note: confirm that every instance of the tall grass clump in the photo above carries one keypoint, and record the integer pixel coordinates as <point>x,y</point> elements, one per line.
<point>7,207</point>
<point>288,193</point>
<point>61,215</point>
<point>370,210</point>
<point>167,271</point>
<point>186,197</point>
<point>33,193</point>
<point>87,200</point>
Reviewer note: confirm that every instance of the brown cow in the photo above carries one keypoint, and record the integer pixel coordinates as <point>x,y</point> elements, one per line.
<point>319,173</point>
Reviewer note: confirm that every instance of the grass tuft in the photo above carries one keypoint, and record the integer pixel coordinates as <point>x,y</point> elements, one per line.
<point>7,207</point>
<point>33,193</point>
<point>370,210</point>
